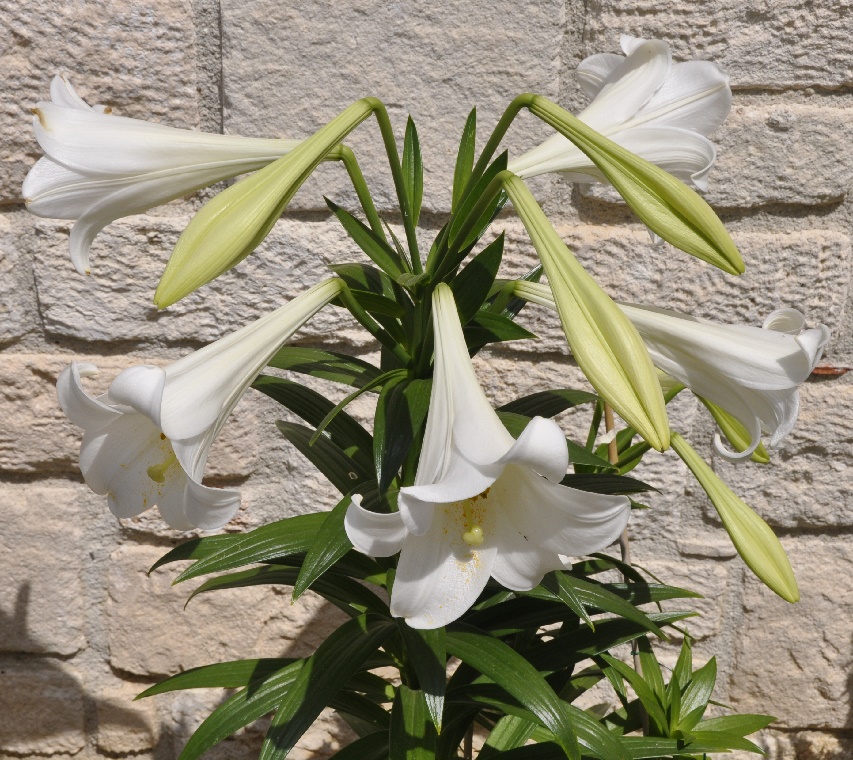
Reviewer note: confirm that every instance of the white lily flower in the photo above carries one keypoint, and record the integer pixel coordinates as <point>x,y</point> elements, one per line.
<point>98,168</point>
<point>147,439</point>
<point>660,110</point>
<point>753,373</point>
<point>482,504</point>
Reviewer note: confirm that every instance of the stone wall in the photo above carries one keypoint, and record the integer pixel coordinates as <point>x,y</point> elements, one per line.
<point>83,629</point>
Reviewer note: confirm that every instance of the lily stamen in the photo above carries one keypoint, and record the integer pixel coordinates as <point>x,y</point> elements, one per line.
<point>157,472</point>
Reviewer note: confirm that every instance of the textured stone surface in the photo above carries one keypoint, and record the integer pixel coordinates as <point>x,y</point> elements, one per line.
<point>37,437</point>
<point>41,561</point>
<point>792,43</point>
<point>813,459</point>
<point>114,304</point>
<point>794,661</point>
<point>125,726</point>
<point>433,60</point>
<point>17,315</point>
<point>150,632</point>
<point>41,710</point>
<point>135,57</point>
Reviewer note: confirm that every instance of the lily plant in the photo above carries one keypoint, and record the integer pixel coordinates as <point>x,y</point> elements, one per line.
<point>467,547</point>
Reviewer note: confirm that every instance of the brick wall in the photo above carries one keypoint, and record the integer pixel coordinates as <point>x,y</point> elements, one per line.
<point>83,629</point>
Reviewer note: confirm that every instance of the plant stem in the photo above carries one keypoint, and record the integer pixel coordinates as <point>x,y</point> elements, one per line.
<point>347,156</point>
<point>624,548</point>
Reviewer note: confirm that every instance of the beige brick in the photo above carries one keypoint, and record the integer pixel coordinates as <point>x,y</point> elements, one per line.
<point>815,459</point>
<point>138,58</point>
<point>150,632</point>
<point>41,710</point>
<point>125,726</point>
<point>794,43</point>
<point>38,438</point>
<point>17,312</point>
<point>41,609</point>
<point>793,661</point>
<point>114,304</point>
<point>434,60</point>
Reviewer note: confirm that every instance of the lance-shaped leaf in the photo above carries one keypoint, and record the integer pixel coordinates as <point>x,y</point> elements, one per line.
<point>232,224</point>
<point>752,537</point>
<point>664,204</point>
<point>605,344</point>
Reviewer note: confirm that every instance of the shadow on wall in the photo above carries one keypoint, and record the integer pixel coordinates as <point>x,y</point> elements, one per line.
<point>47,709</point>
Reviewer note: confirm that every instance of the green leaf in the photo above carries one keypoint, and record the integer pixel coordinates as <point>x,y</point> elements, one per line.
<point>282,538</point>
<point>519,678</point>
<point>428,657</point>
<point>509,732</point>
<point>464,159</point>
<point>338,408</point>
<point>650,668</point>
<point>413,735</point>
<point>343,430</point>
<point>362,276</point>
<point>374,247</point>
<point>643,691</point>
<point>400,415</point>
<point>413,170</point>
<point>567,596</point>
<point>594,596</point>
<point>223,675</point>
<point>380,307</point>
<point>329,545</point>
<point>698,692</point>
<point>548,403</point>
<point>683,670</point>
<point>346,594</point>
<point>324,673</point>
<point>472,200</point>
<point>604,483</point>
<point>195,548</point>
<point>742,725</point>
<point>327,365</point>
<point>371,747</point>
<point>488,327</point>
<point>752,537</point>
<point>341,470</point>
<point>472,285</point>
<point>411,281</point>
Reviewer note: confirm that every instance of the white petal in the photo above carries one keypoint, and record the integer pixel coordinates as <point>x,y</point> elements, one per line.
<point>204,507</point>
<point>104,145</point>
<point>439,576</point>
<point>203,387</point>
<point>374,534</point>
<point>629,43</point>
<point>631,85</point>
<point>63,94</point>
<point>82,409</point>
<point>539,521</point>
<point>789,321</point>
<point>141,388</point>
<point>595,71</point>
<point>695,95</point>
<point>541,447</point>
<point>52,191</point>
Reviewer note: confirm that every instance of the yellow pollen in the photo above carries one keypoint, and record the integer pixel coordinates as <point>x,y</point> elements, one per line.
<point>473,536</point>
<point>472,515</point>
<point>157,472</point>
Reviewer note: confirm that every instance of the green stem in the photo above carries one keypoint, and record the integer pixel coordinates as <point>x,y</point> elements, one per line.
<point>369,324</point>
<point>390,143</point>
<point>347,156</point>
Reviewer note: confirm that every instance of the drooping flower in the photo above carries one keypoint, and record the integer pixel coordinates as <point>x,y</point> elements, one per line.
<point>99,167</point>
<point>147,439</point>
<point>482,504</point>
<point>660,110</point>
<point>753,373</point>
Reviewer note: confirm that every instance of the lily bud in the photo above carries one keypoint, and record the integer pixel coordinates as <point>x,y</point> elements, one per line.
<point>752,537</point>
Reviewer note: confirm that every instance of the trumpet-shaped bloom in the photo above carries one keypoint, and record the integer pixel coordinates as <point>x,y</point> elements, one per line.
<point>753,373</point>
<point>482,504</point>
<point>660,110</point>
<point>147,439</point>
<point>98,167</point>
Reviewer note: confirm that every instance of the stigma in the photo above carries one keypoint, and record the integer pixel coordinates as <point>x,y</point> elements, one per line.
<point>157,472</point>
